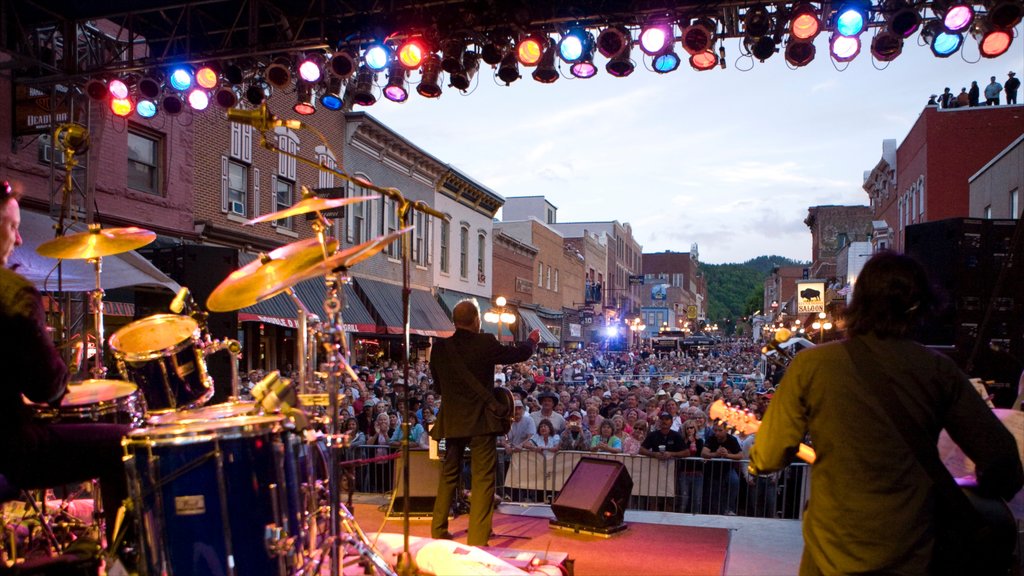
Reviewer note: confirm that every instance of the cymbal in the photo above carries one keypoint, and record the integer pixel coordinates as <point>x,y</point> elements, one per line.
<point>268,276</point>
<point>311,204</point>
<point>351,256</point>
<point>96,243</point>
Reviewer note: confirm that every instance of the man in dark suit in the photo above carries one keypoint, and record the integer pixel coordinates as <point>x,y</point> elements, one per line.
<point>463,369</point>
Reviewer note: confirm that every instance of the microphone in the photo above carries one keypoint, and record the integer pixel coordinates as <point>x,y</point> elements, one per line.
<point>178,304</point>
<point>261,119</point>
<point>263,387</point>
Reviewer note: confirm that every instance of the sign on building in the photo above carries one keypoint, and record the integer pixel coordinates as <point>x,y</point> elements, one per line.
<point>636,279</point>
<point>810,297</point>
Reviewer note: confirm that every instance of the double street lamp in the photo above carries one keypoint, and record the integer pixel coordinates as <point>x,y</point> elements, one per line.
<point>637,327</point>
<point>499,316</point>
<point>821,325</point>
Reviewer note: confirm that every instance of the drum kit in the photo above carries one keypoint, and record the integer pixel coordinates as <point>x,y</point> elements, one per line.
<point>234,488</point>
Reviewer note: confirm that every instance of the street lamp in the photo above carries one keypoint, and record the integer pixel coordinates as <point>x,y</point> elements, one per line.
<point>497,315</point>
<point>821,325</point>
<point>637,327</point>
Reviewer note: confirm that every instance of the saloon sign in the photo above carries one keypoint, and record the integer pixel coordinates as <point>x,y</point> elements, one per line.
<point>810,297</point>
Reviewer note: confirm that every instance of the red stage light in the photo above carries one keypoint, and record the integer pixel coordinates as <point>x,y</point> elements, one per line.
<point>529,51</point>
<point>411,54</point>
<point>121,106</point>
<point>705,60</point>
<point>207,77</point>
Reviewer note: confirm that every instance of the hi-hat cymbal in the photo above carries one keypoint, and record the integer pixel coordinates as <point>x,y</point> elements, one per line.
<point>96,243</point>
<point>268,276</point>
<point>311,204</point>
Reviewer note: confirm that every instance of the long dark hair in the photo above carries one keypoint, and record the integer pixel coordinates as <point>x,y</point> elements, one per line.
<point>891,297</point>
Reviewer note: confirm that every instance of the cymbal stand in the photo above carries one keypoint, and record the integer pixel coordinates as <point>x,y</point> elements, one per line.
<point>96,300</point>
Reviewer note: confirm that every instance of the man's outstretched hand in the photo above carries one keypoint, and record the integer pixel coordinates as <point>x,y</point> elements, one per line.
<point>534,337</point>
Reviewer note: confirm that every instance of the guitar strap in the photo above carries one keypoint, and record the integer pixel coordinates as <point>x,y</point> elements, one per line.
<point>874,378</point>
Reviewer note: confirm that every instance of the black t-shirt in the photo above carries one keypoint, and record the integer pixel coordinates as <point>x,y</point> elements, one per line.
<point>673,441</point>
<point>732,445</point>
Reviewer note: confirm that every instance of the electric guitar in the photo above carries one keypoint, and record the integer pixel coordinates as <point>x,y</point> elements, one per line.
<point>988,545</point>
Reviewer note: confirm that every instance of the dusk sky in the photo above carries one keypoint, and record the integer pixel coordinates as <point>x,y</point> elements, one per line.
<point>728,159</point>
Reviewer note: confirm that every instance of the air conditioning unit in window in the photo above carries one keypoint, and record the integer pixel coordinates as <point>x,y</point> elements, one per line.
<point>237,208</point>
<point>481,277</point>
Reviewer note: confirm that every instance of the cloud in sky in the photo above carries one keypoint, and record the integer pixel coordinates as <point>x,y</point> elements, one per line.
<point>730,159</point>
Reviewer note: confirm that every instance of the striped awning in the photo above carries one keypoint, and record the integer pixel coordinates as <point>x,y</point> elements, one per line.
<point>533,322</point>
<point>449,298</point>
<point>426,318</point>
<point>281,310</point>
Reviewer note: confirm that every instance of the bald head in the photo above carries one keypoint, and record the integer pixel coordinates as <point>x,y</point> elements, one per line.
<point>466,315</point>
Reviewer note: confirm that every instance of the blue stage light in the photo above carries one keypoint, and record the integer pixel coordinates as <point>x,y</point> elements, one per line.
<point>851,20</point>
<point>146,108</point>
<point>181,79</point>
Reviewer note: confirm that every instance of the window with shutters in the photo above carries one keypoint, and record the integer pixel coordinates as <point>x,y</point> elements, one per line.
<point>284,192</point>
<point>481,253</point>
<point>446,231</point>
<point>556,279</point>
<point>288,141</point>
<point>540,274</point>
<point>420,237</point>
<point>464,252</point>
<point>234,187</point>
<point>390,220</point>
<point>241,142</point>
<point>326,159</point>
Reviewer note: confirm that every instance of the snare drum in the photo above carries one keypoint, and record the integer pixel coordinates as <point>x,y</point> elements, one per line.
<point>160,354</point>
<point>204,414</point>
<point>213,495</point>
<point>104,401</point>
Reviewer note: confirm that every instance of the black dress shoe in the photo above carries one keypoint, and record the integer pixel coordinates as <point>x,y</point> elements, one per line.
<point>446,535</point>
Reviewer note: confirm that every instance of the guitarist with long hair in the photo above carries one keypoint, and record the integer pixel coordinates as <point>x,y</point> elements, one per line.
<point>471,414</point>
<point>874,405</point>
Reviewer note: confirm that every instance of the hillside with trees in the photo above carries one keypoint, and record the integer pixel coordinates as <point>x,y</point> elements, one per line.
<point>736,290</point>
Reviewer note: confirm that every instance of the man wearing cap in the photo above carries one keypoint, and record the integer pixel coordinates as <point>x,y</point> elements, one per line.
<point>663,442</point>
<point>523,428</point>
<point>470,415</point>
<point>575,437</point>
<point>1011,86</point>
<point>548,400</point>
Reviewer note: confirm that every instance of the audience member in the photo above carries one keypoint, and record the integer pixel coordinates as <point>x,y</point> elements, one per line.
<point>992,92</point>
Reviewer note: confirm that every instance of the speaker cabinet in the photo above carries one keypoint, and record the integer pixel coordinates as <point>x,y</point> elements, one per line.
<point>424,474</point>
<point>594,498</point>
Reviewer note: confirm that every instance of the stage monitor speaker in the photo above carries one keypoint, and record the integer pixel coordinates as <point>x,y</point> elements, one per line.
<point>594,498</point>
<point>424,474</point>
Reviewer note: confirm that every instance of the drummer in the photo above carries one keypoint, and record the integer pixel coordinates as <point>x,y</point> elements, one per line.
<point>34,454</point>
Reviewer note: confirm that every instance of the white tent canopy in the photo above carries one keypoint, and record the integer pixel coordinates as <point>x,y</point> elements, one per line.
<point>118,271</point>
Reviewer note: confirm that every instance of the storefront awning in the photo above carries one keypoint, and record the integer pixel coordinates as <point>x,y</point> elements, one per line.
<point>533,322</point>
<point>449,298</point>
<point>118,271</point>
<point>426,318</point>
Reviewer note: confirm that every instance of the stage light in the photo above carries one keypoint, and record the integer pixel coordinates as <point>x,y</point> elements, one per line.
<point>146,108</point>
<point>613,41</point>
<point>461,79</point>
<point>703,61</point>
<point>546,73</point>
<point>207,77</point>
<point>761,48</point>
<point>198,99</point>
<point>942,42</point>
<point>451,59</point>
<point>310,68</point>
<point>992,41</point>
<point>121,107</point>
<point>411,53</point>
<point>851,19</point>
<point>620,66</point>
<point>430,83</point>
<point>332,97</point>
<point>886,46</point>
<point>1004,14</point>
<point>529,50</point>
<point>233,74</point>
<point>655,38</point>
<point>181,79</point>
<point>257,92</point>
<point>957,15</point>
<point>362,93</point>
<point>492,51</point>
<point>799,54</point>
<point>666,62</point>
<point>758,22</point>
<point>904,20</point>
<point>844,48</point>
<point>225,97</point>
<point>576,45</point>
<point>397,88</point>
<point>804,24</point>
<point>305,99</point>
<point>583,69</point>
<point>172,105</point>
<point>699,36</point>
<point>377,57</point>
<point>343,64</point>
<point>118,88</point>
<point>149,86</point>
<point>279,73</point>
<point>96,89</point>
<point>508,71</point>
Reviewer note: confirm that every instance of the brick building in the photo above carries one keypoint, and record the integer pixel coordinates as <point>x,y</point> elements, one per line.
<point>672,285</point>
<point>833,228</point>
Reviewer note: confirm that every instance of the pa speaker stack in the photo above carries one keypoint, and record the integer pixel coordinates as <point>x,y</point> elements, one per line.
<point>594,498</point>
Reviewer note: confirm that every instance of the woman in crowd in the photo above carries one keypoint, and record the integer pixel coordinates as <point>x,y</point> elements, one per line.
<point>691,478</point>
<point>545,440</point>
<point>605,440</point>
<point>632,416</point>
<point>415,432</point>
<point>619,428</point>
<point>634,440</point>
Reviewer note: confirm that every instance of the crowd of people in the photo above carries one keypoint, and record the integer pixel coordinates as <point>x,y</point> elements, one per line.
<point>971,97</point>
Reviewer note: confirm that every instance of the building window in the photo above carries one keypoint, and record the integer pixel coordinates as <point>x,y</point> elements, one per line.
<point>419,238</point>
<point>540,274</point>
<point>1014,204</point>
<point>842,240</point>
<point>481,251</point>
<point>235,183</point>
<point>359,224</point>
<point>394,249</point>
<point>446,231</point>
<point>988,211</point>
<point>556,279</point>
<point>283,195</point>
<point>464,252</point>
<point>547,283</point>
<point>143,163</point>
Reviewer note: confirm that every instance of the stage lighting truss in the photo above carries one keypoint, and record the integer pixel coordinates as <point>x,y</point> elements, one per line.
<point>546,71</point>
<point>942,42</point>
<point>992,41</point>
<point>843,48</point>
<point>852,18</point>
<point>886,45</point>
<point>956,15</point>
<point>613,41</point>
<point>397,89</point>
<point>699,36</point>
<point>804,22</point>
<point>430,83</point>
<point>656,37</point>
<point>1004,14</point>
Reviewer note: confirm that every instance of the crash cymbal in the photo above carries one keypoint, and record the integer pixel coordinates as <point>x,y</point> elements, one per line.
<point>311,204</point>
<point>351,256</point>
<point>96,243</point>
<point>268,275</point>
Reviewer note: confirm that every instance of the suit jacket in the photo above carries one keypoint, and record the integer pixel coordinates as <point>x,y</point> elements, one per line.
<point>467,405</point>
